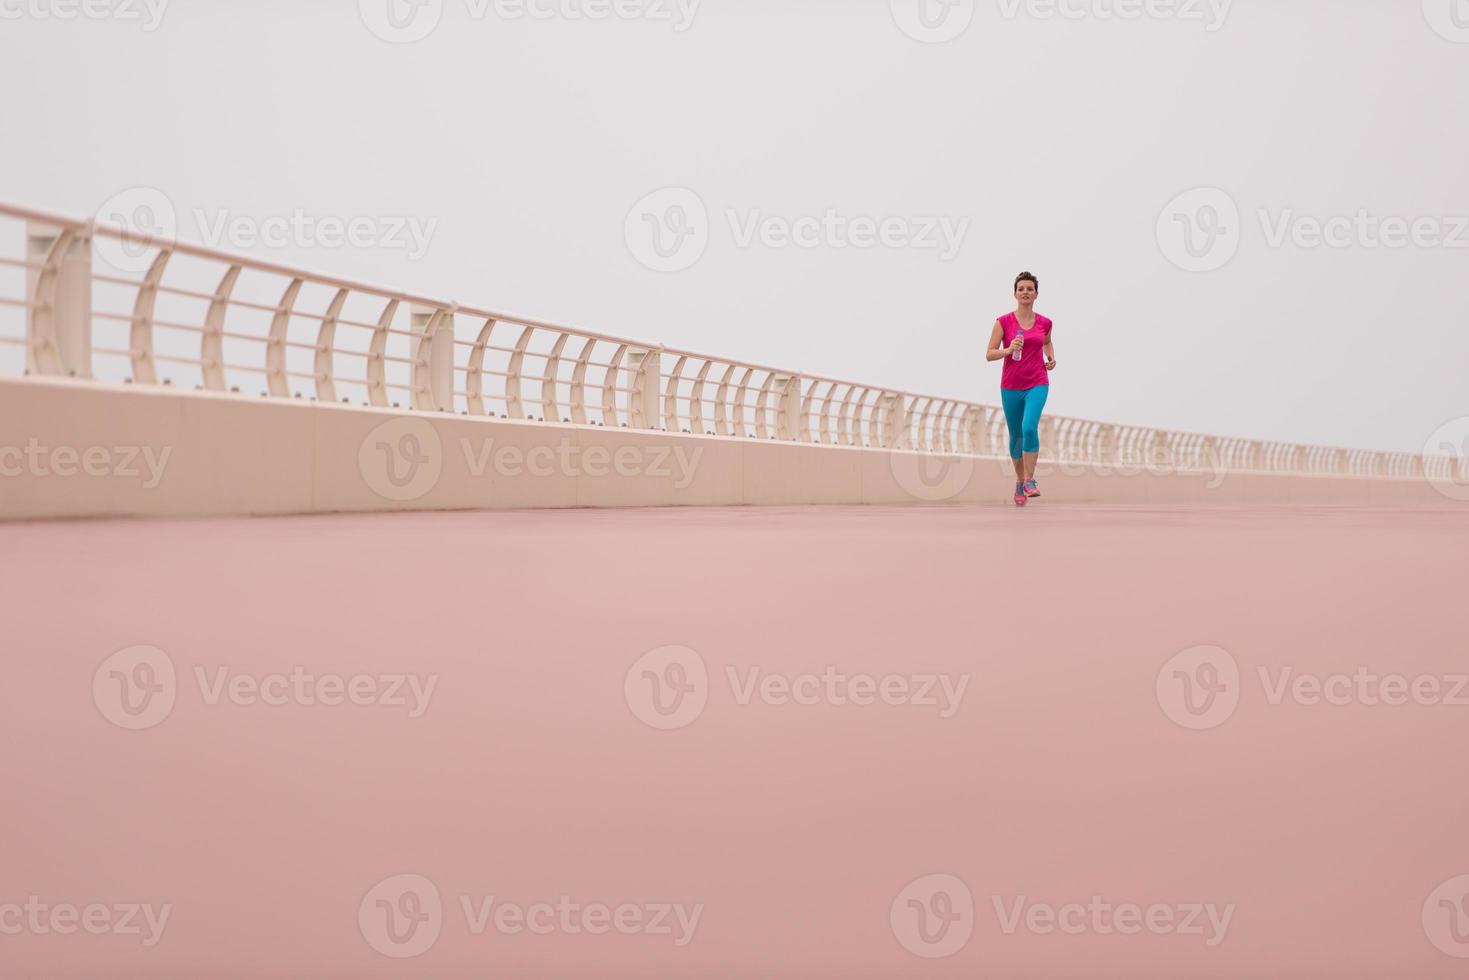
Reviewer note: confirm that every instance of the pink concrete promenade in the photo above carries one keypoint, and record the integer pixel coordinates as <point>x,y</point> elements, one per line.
<point>1067,742</point>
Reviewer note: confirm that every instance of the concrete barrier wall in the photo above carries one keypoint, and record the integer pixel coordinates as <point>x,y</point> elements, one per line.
<point>83,449</point>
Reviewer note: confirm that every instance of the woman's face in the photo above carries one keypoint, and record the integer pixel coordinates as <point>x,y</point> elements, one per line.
<point>1025,292</point>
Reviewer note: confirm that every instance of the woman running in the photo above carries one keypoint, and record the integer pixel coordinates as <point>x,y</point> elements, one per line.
<point>1020,338</point>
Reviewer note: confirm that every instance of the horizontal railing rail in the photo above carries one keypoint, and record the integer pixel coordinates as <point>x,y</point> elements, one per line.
<point>159,311</point>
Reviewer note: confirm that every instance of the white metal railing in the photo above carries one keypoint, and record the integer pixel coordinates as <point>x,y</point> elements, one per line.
<point>228,322</point>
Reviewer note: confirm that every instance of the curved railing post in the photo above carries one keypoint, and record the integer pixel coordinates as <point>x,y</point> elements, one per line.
<point>59,317</point>
<point>140,329</point>
<point>432,353</point>
<point>973,431</point>
<point>211,342</point>
<point>326,339</point>
<point>551,382</point>
<point>722,426</point>
<point>1107,446</point>
<point>377,379</point>
<point>610,386</point>
<point>762,408</point>
<point>671,394</point>
<point>895,421</point>
<point>644,395</point>
<point>579,382</point>
<point>696,401</point>
<point>845,428</point>
<point>276,379</point>
<point>789,424</point>
<point>1209,460</point>
<point>808,407</point>
<point>474,372</point>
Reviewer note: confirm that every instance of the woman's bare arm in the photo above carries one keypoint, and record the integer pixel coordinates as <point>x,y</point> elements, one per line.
<point>1050,350</point>
<point>997,337</point>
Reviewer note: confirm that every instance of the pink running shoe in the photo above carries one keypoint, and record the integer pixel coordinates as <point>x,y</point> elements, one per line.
<point>1020,495</point>
<point>1031,489</point>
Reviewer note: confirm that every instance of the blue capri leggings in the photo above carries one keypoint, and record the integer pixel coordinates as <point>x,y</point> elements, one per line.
<point>1023,416</point>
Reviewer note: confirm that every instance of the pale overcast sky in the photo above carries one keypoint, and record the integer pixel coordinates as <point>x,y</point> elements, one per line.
<point>958,143</point>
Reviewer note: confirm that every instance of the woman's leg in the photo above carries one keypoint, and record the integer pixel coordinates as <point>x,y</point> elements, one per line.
<point>1014,404</point>
<point>1030,427</point>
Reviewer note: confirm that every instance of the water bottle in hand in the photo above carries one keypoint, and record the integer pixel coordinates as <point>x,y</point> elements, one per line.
<point>1019,337</point>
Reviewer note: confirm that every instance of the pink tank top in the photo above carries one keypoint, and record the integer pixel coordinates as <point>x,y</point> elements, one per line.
<point>1030,371</point>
